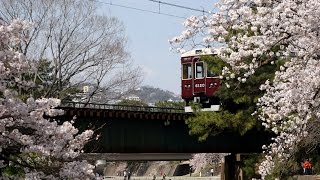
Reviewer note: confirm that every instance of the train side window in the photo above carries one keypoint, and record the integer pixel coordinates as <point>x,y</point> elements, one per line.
<point>186,71</point>
<point>199,70</point>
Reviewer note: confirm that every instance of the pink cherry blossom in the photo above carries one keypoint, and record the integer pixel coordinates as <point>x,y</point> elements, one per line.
<point>24,130</point>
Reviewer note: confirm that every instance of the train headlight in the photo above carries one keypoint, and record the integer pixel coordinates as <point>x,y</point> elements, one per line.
<point>212,85</point>
<point>187,86</point>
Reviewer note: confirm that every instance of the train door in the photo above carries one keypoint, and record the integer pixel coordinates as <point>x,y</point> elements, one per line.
<point>199,79</point>
<point>186,80</point>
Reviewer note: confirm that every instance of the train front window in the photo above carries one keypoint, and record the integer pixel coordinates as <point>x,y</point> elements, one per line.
<point>210,74</point>
<point>199,70</point>
<point>186,71</point>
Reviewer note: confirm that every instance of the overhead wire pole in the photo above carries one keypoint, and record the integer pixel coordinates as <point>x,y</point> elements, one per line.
<point>179,6</point>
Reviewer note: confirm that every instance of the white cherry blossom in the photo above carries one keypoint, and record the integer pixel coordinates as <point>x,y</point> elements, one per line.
<point>268,31</point>
<point>23,128</point>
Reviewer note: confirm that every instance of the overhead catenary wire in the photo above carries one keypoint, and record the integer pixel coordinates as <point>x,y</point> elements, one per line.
<point>179,6</point>
<point>138,9</point>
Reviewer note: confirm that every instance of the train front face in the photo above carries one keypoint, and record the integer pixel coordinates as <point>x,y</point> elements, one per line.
<point>197,81</point>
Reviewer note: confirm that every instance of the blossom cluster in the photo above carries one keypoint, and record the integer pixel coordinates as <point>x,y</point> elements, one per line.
<point>257,32</point>
<point>23,128</point>
<point>201,160</point>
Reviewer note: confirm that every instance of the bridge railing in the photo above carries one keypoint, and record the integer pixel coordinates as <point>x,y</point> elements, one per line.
<point>120,107</point>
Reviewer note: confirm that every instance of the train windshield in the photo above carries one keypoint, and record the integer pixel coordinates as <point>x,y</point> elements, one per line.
<point>210,73</point>
<point>199,70</point>
<point>186,71</point>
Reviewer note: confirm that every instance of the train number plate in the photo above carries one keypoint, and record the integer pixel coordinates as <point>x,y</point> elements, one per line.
<point>199,85</point>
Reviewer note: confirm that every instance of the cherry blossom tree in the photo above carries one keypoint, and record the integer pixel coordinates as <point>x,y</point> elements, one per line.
<point>121,167</point>
<point>252,33</point>
<point>80,44</point>
<point>36,147</point>
<point>201,160</point>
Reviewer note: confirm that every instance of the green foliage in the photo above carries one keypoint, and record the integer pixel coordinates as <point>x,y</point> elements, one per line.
<point>170,104</point>
<point>294,165</point>
<point>215,64</point>
<point>44,72</point>
<point>315,161</point>
<point>206,123</point>
<point>238,105</point>
<point>212,123</point>
<point>30,160</point>
<point>42,78</point>
<point>13,171</point>
<point>127,102</point>
<point>46,84</point>
<point>250,165</point>
<point>285,170</point>
<point>152,95</point>
<point>68,93</point>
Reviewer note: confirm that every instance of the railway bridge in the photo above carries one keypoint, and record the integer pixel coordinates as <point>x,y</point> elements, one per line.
<point>150,133</point>
<point>136,129</point>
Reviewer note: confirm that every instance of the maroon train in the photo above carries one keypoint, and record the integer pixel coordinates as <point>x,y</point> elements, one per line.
<point>197,82</point>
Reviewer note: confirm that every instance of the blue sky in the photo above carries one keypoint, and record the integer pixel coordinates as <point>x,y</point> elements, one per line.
<point>148,35</point>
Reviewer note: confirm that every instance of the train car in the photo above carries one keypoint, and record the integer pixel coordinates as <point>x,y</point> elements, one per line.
<point>198,84</point>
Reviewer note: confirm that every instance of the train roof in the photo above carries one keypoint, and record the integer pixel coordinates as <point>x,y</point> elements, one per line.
<point>200,51</point>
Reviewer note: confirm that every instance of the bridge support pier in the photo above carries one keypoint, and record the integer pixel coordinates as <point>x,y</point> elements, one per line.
<point>231,168</point>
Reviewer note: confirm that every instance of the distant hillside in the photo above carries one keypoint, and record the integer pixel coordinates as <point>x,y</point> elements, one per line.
<point>151,94</point>
<point>146,94</point>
